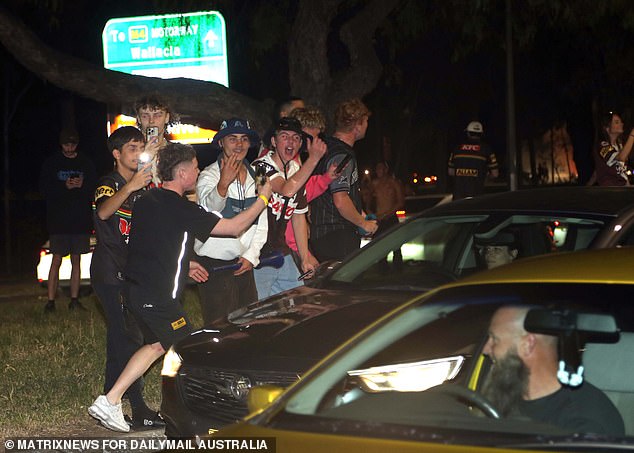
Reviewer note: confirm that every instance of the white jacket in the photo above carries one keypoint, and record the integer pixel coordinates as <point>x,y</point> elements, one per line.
<point>247,245</point>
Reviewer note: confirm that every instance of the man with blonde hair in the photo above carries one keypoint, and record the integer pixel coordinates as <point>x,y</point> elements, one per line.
<point>313,125</point>
<point>313,121</point>
<point>337,215</point>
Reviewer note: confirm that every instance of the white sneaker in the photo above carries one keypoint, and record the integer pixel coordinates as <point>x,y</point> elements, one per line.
<point>110,415</point>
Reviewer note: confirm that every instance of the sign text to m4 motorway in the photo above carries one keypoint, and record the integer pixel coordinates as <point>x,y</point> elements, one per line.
<point>189,45</point>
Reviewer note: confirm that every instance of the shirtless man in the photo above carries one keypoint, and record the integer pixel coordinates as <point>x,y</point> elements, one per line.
<point>388,196</point>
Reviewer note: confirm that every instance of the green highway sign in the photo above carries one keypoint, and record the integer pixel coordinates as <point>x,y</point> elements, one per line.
<point>191,45</point>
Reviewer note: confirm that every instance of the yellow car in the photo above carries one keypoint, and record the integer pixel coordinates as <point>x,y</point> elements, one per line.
<point>435,375</point>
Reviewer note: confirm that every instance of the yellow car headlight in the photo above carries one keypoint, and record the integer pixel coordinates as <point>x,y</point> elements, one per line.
<point>408,377</point>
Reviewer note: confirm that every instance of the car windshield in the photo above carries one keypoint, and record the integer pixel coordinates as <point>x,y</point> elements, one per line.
<point>423,372</point>
<point>430,251</point>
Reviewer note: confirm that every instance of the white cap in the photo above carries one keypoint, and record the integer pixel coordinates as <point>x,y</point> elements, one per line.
<point>475,127</point>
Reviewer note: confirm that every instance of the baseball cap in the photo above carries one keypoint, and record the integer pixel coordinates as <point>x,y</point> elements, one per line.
<point>236,126</point>
<point>68,136</point>
<point>289,124</point>
<point>500,238</point>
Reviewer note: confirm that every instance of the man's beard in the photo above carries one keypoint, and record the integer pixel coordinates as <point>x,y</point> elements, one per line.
<point>507,384</point>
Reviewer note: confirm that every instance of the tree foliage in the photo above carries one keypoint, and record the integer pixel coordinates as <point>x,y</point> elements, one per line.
<point>416,53</point>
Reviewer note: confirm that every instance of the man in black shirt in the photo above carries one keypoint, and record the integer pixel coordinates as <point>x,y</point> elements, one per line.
<point>114,201</point>
<point>524,380</point>
<point>67,182</point>
<point>470,163</point>
<point>165,225</point>
<point>337,213</point>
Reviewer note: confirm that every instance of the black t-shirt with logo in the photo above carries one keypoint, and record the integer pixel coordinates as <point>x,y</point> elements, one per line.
<point>325,216</point>
<point>161,240</point>
<point>67,210</point>
<point>471,160</point>
<point>109,257</point>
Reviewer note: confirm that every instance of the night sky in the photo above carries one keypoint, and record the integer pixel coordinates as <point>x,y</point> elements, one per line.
<point>439,93</point>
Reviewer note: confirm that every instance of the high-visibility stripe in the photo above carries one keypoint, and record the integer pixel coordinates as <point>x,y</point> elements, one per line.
<point>179,267</point>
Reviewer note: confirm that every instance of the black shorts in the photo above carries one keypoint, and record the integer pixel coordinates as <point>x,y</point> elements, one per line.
<point>160,320</point>
<point>69,244</point>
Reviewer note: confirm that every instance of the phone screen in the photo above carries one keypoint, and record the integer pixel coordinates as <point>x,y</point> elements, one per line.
<point>143,159</point>
<point>260,175</point>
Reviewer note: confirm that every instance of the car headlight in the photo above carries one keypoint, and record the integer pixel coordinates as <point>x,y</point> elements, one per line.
<point>171,363</point>
<point>408,377</point>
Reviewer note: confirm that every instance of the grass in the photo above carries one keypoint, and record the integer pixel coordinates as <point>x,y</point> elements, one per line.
<point>52,365</point>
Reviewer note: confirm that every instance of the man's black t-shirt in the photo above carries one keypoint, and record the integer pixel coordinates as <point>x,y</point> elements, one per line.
<point>325,217</point>
<point>161,238</point>
<point>584,409</point>
<point>67,210</point>
<point>109,257</point>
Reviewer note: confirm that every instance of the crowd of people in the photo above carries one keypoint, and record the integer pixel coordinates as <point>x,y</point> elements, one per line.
<point>242,230</point>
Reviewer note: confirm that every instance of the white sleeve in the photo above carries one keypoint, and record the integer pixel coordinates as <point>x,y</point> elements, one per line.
<point>207,189</point>
<point>259,239</point>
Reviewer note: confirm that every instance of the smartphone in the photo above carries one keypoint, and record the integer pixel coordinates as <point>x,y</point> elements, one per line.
<point>143,159</point>
<point>260,175</point>
<point>343,163</point>
<point>151,132</point>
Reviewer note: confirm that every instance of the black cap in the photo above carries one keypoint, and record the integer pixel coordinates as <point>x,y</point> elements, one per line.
<point>500,238</point>
<point>68,136</point>
<point>289,124</point>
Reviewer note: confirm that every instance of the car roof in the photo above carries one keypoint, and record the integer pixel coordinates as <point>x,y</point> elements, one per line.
<point>575,199</point>
<point>586,266</point>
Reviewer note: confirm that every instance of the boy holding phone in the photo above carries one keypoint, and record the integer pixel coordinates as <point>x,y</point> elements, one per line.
<point>67,181</point>
<point>153,116</point>
<point>113,203</point>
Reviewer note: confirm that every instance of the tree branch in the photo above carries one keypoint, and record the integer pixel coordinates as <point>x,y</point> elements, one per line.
<point>365,68</point>
<point>204,103</point>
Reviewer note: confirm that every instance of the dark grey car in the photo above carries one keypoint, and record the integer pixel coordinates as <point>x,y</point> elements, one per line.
<point>207,376</point>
